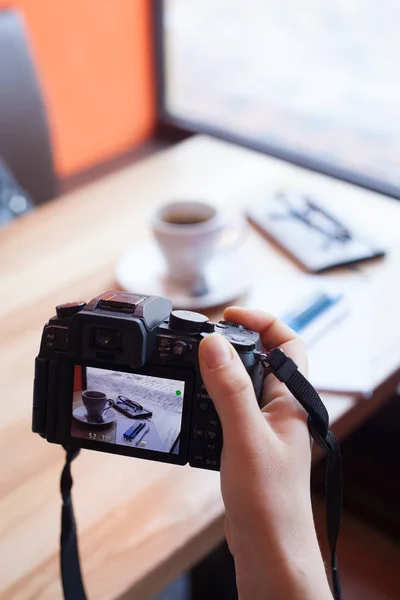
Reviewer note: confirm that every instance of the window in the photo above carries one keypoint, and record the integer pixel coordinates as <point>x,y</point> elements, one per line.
<point>316,82</point>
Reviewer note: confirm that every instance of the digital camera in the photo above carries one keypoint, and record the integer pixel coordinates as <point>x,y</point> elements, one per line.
<point>121,374</point>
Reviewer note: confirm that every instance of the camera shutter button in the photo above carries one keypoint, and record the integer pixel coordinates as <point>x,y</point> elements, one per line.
<point>69,309</point>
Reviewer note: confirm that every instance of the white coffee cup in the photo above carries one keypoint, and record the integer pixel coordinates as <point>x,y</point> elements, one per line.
<point>188,234</point>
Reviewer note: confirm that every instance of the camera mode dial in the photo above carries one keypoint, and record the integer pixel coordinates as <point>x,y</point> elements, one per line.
<point>69,309</point>
<point>192,322</point>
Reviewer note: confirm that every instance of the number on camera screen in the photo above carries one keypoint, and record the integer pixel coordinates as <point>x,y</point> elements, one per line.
<point>127,409</point>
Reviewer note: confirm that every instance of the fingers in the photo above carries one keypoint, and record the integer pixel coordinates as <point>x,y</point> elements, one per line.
<point>230,388</point>
<point>274,333</point>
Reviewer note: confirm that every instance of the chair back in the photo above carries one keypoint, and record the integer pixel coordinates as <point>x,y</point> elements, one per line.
<point>24,134</point>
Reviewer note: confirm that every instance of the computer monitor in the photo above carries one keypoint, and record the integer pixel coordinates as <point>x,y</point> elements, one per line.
<point>310,82</point>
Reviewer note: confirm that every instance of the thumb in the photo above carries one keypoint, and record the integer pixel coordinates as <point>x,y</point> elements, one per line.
<point>229,386</point>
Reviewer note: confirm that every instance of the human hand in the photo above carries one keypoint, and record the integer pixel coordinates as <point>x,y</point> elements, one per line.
<point>265,468</point>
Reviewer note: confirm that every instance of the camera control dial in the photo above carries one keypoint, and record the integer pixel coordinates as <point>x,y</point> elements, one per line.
<point>69,309</point>
<point>241,343</point>
<point>192,322</point>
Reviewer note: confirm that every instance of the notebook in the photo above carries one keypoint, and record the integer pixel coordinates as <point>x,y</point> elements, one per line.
<point>311,232</point>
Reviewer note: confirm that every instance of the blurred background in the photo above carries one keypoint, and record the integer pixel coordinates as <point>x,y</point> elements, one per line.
<point>313,84</point>
<point>312,81</point>
<point>87,88</point>
<point>81,76</point>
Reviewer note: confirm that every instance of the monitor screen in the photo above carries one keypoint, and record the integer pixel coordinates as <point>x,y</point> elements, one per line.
<point>315,82</point>
<point>127,409</point>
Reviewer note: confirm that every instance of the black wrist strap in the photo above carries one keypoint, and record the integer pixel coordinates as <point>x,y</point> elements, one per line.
<point>285,369</point>
<point>69,558</point>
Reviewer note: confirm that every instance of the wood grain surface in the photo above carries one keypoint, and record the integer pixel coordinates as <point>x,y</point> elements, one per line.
<point>140,523</point>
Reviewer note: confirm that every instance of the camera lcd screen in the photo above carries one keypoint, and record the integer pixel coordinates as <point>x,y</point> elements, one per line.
<point>127,409</point>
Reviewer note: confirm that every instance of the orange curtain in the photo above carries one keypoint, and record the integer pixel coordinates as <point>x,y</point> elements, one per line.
<point>77,378</point>
<point>95,67</point>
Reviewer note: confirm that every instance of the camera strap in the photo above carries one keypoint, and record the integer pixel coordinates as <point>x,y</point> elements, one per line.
<point>71,576</point>
<point>285,369</point>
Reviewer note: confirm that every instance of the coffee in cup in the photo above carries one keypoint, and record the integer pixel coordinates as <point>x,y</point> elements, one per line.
<point>188,234</point>
<point>95,404</point>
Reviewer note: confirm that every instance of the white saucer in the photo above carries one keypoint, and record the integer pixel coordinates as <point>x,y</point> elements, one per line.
<point>142,270</point>
<point>109,417</point>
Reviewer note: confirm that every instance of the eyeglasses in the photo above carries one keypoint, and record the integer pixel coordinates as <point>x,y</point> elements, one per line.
<point>306,210</point>
<point>130,403</point>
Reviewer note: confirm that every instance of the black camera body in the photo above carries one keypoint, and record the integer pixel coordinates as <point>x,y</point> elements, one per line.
<point>121,374</point>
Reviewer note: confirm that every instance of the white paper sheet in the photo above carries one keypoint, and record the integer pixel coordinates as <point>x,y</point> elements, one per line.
<point>340,354</point>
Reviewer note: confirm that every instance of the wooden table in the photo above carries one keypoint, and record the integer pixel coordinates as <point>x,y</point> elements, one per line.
<point>140,523</point>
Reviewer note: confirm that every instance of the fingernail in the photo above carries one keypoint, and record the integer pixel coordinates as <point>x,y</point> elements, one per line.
<point>216,351</point>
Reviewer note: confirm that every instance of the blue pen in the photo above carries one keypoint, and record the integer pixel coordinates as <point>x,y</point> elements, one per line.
<point>311,309</point>
<point>133,431</point>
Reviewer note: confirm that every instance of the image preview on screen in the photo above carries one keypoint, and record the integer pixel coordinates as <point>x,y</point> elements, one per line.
<point>127,409</point>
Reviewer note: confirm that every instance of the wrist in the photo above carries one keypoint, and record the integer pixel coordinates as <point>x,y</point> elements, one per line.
<point>275,576</point>
<point>280,568</point>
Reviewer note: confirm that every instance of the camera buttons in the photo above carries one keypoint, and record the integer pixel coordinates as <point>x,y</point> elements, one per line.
<point>199,433</point>
<point>208,437</point>
<point>204,404</point>
<point>50,336</point>
<point>213,439</point>
<point>180,349</point>
<point>55,338</point>
<point>211,434</point>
